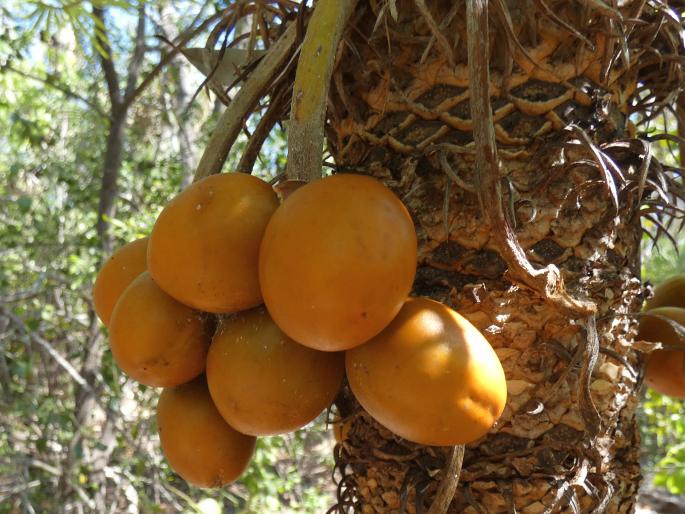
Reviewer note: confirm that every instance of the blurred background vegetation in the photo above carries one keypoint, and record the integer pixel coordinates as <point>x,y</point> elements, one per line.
<point>75,437</point>
<point>662,419</point>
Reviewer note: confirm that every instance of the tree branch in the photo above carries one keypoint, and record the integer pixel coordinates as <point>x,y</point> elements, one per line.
<point>106,59</point>
<point>312,83</point>
<point>185,36</point>
<point>138,53</point>
<point>69,93</point>
<point>63,363</point>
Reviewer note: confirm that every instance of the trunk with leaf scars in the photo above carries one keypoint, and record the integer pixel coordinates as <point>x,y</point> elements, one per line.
<point>565,79</point>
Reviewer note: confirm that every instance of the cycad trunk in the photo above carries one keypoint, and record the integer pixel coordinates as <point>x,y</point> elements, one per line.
<point>573,178</point>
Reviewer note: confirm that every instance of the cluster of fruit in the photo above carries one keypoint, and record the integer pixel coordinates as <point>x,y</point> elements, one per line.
<point>249,312</point>
<point>663,321</point>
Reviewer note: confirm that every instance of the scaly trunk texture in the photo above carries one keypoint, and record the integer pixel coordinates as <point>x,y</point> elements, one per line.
<point>565,78</point>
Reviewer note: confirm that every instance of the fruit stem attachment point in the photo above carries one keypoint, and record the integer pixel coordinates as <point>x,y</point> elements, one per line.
<point>450,481</point>
<point>312,83</point>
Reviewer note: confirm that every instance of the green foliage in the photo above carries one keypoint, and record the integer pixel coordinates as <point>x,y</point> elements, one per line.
<point>663,261</point>
<point>275,479</point>
<point>48,17</point>
<point>671,470</point>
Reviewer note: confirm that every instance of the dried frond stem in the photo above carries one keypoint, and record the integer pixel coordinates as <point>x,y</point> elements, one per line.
<point>183,38</point>
<point>680,114</point>
<point>552,16</point>
<point>231,121</point>
<point>547,281</point>
<point>437,33</point>
<point>588,409</point>
<point>266,123</point>
<point>312,83</point>
<point>447,168</point>
<point>450,481</point>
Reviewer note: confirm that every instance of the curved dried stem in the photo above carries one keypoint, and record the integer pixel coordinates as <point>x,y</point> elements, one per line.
<point>266,123</point>
<point>588,409</point>
<point>181,40</point>
<point>547,281</point>
<point>450,481</point>
<point>233,118</point>
<point>435,30</point>
<point>680,114</point>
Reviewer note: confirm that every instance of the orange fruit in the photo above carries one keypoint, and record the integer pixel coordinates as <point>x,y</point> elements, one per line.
<point>262,381</point>
<point>669,293</point>
<point>430,376</point>
<point>337,261</point>
<point>204,246</point>
<point>198,444</point>
<point>155,339</point>
<point>116,274</point>
<point>665,371</point>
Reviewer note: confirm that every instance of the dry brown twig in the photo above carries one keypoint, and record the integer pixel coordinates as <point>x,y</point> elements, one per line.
<point>450,481</point>
<point>437,33</point>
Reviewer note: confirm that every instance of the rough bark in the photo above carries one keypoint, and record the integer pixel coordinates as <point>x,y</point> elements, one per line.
<point>572,177</point>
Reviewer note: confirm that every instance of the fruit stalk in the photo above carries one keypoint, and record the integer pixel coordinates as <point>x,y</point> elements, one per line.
<point>312,82</point>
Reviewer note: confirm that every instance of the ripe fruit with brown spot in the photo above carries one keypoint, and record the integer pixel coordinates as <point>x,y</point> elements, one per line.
<point>155,339</point>
<point>669,293</point>
<point>262,381</point>
<point>116,274</point>
<point>337,261</point>
<point>198,444</point>
<point>204,246</point>
<point>430,376</point>
<point>665,371</point>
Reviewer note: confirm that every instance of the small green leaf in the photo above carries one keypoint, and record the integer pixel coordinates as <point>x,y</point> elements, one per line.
<point>24,203</point>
